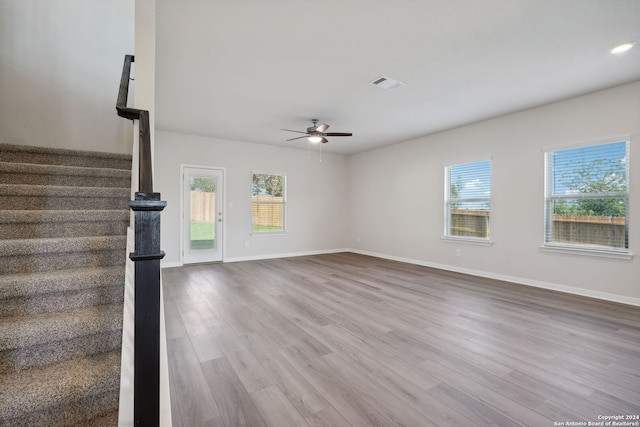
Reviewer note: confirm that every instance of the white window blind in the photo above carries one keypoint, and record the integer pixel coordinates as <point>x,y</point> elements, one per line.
<point>268,203</point>
<point>468,200</point>
<point>587,198</point>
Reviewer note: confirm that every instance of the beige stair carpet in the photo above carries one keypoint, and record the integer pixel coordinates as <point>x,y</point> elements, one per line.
<point>63,223</point>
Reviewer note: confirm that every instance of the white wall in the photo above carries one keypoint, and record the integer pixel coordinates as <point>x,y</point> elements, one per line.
<point>316,192</point>
<point>145,64</point>
<point>396,196</point>
<point>60,66</point>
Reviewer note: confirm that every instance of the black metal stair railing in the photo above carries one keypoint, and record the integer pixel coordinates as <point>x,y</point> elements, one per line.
<point>147,207</point>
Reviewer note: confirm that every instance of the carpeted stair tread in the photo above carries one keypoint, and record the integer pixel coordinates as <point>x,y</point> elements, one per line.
<point>81,412</point>
<point>23,358</point>
<point>31,284</point>
<point>77,176</point>
<point>18,216</point>
<point>26,190</point>
<point>32,149</point>
<point>62,156</point>
<point>37,216</point>
<point>58,301</point>
<point>31,224</point>
<point>66,387</point>
<point>40,169</point>
<point>23,331</point>
<point>109,420</point>
<point>17,247</point>
<point>60,197</point>
<point>35,293</point>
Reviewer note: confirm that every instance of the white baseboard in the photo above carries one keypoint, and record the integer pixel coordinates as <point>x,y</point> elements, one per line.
<point>513,279</point>
<point>266,256</point>
<point>170,264</point>
<point>285,255</point>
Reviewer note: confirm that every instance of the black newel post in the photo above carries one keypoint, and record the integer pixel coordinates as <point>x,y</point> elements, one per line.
<point>147,256</point>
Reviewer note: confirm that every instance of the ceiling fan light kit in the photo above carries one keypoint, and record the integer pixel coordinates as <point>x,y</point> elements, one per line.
<point>316,133</point>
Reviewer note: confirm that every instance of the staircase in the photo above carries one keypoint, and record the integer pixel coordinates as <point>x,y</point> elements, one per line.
<point>63,222</point>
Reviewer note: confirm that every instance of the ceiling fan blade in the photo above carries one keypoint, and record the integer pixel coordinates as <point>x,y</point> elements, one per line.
<point>322,128</point>
<point>338,134</point>
<point>324,140</point>
<point>300,137</point>
<point>296,131</point>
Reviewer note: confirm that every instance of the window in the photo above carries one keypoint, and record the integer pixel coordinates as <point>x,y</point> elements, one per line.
<point>468,201</point>
<point>586,197</point>
<point>268,203</point>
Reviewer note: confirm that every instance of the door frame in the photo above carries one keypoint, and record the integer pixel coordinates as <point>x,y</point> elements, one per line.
<point>223,171</point>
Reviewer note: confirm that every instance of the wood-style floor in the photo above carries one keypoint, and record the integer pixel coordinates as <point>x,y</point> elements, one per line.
<point>349,340</point>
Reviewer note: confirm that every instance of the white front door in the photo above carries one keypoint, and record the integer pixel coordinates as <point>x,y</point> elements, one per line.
<point>203,214</point>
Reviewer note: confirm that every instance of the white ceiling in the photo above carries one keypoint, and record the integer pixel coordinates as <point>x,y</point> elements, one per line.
<point>244,69</point>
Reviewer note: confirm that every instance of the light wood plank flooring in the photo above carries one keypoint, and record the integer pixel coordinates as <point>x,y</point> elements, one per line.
<point>349,340</point>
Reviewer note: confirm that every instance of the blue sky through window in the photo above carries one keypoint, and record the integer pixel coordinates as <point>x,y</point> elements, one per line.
<point>472,180</point>
<point>574,168</point>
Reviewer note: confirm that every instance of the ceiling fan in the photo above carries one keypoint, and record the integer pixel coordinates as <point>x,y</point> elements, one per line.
<point>316,133</point>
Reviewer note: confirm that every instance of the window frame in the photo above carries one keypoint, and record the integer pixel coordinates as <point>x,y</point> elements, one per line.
<point>549,198</point>
<point>449,201</point>
<point>283,203</point>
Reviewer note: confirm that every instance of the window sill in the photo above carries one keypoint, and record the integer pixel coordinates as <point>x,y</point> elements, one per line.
<point>586,251</point>
<point>467,240</point>
<point>268,233</point>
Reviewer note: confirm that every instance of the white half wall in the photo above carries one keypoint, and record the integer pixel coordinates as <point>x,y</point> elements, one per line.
<point>317,192</point>
<point>60,67</point>
<point>396,195</point>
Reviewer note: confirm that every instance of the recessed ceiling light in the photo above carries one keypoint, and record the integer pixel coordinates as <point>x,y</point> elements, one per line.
<point>622,48</point>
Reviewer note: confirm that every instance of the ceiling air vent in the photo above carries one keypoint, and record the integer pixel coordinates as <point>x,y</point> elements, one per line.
<point>386,83</point>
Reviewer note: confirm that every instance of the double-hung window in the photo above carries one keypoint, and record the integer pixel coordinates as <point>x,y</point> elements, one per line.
<point>468,201</point>
<point>587,198</point>
<point>268,200</point>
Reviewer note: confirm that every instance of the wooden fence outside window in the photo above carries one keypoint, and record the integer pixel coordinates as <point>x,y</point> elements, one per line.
<point>589,230</point>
